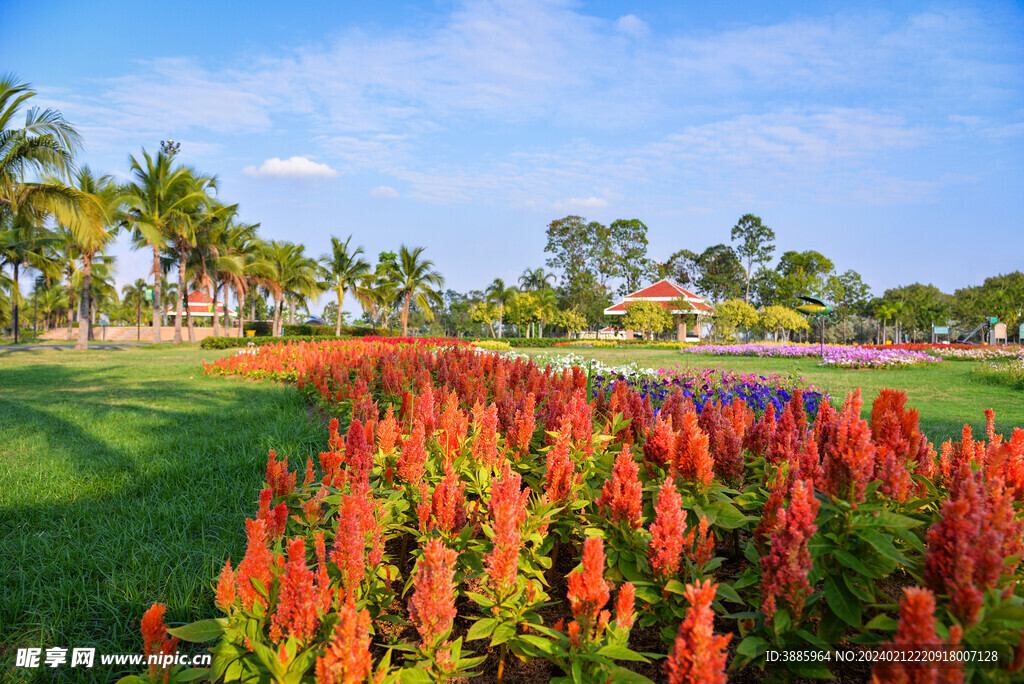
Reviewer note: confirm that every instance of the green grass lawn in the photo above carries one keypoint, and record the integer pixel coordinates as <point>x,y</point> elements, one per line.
<point>126,476</point>
<point>944,393</point>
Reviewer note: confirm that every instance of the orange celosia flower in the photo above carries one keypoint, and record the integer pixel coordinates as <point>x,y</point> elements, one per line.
<point>347,659</point>
<point>432,605</point>
<point>559,477</point>
<point>155,641</point>
<point>413,459</point>
<point>621,497</point>
<point>278,478</point>
<point>668,532</point>
<point>660,445</point>
<point>256,564</point>
<point>349,552</point>
<point>588,591</point>
<point>916,630</point>
<point>693,462</point>
<point>296,613</point>
<point>387,432</point>
<point>508,512</point>
<point>226,588</point>
<point>698,655</point>
<point>624,604</point>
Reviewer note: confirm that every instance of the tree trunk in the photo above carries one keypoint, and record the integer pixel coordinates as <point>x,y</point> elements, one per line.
<point>241,326</point>
<point>278,303</point>
<point>15,294</point>
<point>156,295</point>
<point>216,317</point>
<point>178,302</point>
<point>405,315</point>
<point>71,308</point>
<point>337,325</point>
<point>84,314</point>
<point>252,306</point>
<point>191,322</point>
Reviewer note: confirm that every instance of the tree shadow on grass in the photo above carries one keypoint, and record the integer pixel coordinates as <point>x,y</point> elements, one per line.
<point>141,504</point>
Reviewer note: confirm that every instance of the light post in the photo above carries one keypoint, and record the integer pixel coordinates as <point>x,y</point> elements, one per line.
<point>169,147</point>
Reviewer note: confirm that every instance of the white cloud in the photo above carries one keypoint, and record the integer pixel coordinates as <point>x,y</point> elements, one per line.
<point>582,203</point>
<point>295,167</point>
<point>384,192</point>
<point>632,25</point>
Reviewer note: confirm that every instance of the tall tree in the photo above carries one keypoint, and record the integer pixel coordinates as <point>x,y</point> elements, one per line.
<point>802,273</point>
<point>159,196</point>
<point>92,226</point>
<point>416,281</point>
<point>500,295</point>
<point>343,270</point>
<point>46,143</point>
<point>848,293</point>
<point>756,244</point>
<point>720,272</point>
<point>625,243</point>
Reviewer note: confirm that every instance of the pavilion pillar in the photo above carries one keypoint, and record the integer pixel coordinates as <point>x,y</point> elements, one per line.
<point>681,331</point>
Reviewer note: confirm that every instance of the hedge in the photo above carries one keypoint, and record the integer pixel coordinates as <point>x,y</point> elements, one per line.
<point>308,330</point>
<point>230,342</point>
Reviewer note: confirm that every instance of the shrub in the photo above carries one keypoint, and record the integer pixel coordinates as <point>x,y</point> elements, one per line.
<point>494,345</point>
<point>262,328</point>
<point>232,342</point>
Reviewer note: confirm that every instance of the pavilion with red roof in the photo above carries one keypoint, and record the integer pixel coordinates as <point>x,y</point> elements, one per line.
<point>200,304</point>
<point>669,296</point>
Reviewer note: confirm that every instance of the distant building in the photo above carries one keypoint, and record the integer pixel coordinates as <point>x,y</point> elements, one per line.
<point>669,296</point>
<point>200,305</point>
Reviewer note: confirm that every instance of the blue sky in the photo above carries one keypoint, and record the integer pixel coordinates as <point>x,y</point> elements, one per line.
<point>888,136</point>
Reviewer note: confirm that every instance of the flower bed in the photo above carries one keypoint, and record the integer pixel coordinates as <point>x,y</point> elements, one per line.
<point>471,513</point>
<point>1004,372</point>
<point>844,356</point>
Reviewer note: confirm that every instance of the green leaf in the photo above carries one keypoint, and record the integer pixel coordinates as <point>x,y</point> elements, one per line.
<point>728,516</point>
<point>882,622</point>
<point>503,633</point>
<point>675,587</point>
<point>727,593</point>
<point>848,560</point>
<point>414,675</point>
<point>890,519</point>
<point>192,675</point>
<point>481,629</point>
<point>856,585</point>
<point>882,544</point>
<point>621,674</point>
<point>199,632</point>
<point>842,602</point>
<point>753,647</point>
<point>617,652</point>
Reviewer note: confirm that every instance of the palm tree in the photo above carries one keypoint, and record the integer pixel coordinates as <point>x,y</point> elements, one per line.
<point>499,294</point>
<point>534,279</point>
<point>24,241</point>
<point>343,271</point>
<point>159,196</point>
<point>45,144</point>
<point>290,273</point>
<point>547,302</point>
<point>184,234</point>
<point>230,246</point>
<point>416,281</point>
<point>92,226</point>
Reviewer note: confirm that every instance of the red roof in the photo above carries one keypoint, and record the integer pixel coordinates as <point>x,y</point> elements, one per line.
<point>665,293</point>
<point>199,302</point>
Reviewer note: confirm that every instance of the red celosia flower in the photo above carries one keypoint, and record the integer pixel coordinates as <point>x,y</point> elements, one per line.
<point>387,432</point>
<point>588,591</point>
<point>778,492</point>
<point>508,512</point>
<point>432,605</point>
<point>347,659</point>
<point>311,508</point>
<point>621,497</point>
<point>760,437</point>
<point>485,446</point>
<point>916,631</point>
<point>413,459</point>
<point>296,613</point>
<point>357,452</point>
<point>698,655</point>
<point>668,532</point>
<point>784,569</point>
<point>848,460</point>
<point>349,552</point>
<point>523,426</point>
<point>724,442</point>
<point>255,566</point>
<point>226,588</point>
<point>309,477</point>
<point>581,416</point>
<point>454,424</point>
<point>154,639</point>
<point>559,477</point>
<point>968,548</point>
<point>323,581</point>
<point>788,439</point>
<point>624,604</point>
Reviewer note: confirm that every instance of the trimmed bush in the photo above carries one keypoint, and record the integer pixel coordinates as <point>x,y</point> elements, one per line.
<point>232,342</point>
<point>262,328</point>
